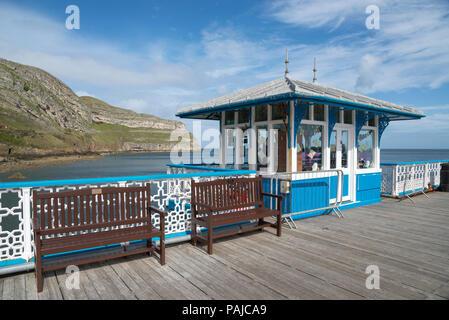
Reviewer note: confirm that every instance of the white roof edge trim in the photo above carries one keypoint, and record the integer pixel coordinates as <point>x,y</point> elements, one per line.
<point>288,85</point>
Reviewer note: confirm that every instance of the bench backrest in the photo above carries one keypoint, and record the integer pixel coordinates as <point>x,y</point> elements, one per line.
<point>87,209</point>
<point>227,194</point>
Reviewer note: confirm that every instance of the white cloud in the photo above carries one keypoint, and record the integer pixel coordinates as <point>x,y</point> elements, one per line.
<point>138,105</point>
<point>159,80</point>
<point>436,124</point>
<point>409,51</point>
<point>316,13</point>
<point>368,72</point>
<point>439,108</point>
<point>84,94</point>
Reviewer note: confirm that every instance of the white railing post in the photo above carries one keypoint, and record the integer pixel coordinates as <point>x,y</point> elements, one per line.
<point>26,211</point>
<point>394,182</point>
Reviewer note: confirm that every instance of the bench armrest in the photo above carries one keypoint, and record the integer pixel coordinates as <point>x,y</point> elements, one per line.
<point>272,195</point>
<point>163,213</point>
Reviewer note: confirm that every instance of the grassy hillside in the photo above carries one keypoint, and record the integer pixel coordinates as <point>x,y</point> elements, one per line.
<point>40,115</point>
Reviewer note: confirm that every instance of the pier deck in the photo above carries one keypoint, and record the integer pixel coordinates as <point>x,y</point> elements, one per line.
<point>325,258</point>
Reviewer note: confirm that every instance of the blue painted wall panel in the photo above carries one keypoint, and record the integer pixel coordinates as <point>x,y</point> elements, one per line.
<point>368,186</point>
<point>315,193</point>
<point>309,194</point>
<point>334,184</point>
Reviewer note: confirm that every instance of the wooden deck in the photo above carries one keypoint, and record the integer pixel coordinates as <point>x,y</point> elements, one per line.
<point>325,258</point>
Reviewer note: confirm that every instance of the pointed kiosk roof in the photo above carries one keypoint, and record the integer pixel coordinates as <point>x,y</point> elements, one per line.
<point>285,89</point>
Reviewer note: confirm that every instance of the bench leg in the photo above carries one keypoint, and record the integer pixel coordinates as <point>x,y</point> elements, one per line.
<point>38,273</point>
<point>193,239</point>
<point>162,248</point>
<point>261,222</point>
<point>279,224</point>
<point>209,240</point>
<point>149,245</point>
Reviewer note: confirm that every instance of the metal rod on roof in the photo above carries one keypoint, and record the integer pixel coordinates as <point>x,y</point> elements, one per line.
<point>314,70</point>
<point>286,63</point>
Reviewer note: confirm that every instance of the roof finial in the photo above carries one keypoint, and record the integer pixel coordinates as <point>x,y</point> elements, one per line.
<point>286,63</point>
<point>314,70</point>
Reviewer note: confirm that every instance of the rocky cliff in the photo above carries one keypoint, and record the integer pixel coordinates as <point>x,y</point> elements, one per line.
<point>41,115</point>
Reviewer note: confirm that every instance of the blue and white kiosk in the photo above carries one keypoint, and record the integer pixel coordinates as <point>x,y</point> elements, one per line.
<point>317,145</point>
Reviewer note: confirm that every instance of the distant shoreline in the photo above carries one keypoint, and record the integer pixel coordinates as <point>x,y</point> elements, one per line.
<point>20,164</point>
<point>17,164</point>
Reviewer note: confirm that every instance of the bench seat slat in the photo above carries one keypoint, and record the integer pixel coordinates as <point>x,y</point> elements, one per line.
<point>239,216</point>
<point>95,239</point>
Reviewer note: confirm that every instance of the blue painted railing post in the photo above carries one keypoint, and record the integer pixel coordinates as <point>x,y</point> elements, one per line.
<point>300,113</point>
<point>332,121</point>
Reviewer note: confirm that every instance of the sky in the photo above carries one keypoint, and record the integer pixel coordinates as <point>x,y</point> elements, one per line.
<point>159,56</point>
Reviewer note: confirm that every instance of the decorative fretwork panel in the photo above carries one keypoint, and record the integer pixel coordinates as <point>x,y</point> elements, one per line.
<point>11,223</point>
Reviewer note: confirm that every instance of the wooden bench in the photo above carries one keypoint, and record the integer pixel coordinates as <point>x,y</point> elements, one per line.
<point>89,218</point>
<point>228,201</point>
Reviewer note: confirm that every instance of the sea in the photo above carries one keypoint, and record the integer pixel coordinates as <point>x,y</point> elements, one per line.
<point>137,164</point>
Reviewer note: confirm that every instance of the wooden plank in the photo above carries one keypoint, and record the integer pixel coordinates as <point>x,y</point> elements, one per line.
<point>203,284</point>
<point>442,291</point>
<point>51,287</point>
<point>68,293</point>
<point>104,288</point>
<point>93,209</point>
<point>391,268</point>
<point>426,261</point>
<point>70,205</point>
<point>83,215</point>
<point>201,276</point>
<point>401,239</point>
<point>351,278</point>
<point>19,287</point>
<point>100,214</point>
<point>76,211</point>
<point>288,281</point>
<point>114,285</point>
<point>30,285</point>
<point>223,275</point>
<point>86,284</point>
<point>8,289</point>
<point>118,283</point>
<point>42,213</point>
<point>164,289</point>
<point>134,281</point>
<point>166,273</point>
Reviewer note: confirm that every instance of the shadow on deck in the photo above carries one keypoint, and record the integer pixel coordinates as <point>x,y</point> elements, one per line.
<point>325,258</point>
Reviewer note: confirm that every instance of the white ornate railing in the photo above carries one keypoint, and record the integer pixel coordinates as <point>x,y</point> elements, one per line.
<point>401,179</point>
<point>16,234</point>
